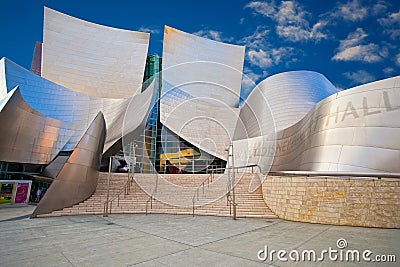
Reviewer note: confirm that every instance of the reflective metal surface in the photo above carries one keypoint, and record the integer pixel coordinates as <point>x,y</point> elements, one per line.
<point>275,104</point>
<point>220,80</point>
<point>93,59</point>
<point>207,123</point>
<point>77,179</point>
<point>60,103</point>
<point>28,136</point>
<point>54,167</point>
<point>290,95</point>
<point>200,89</point>
<point>354,130</point>
<point>36,66</point>
<point>291,121</point>
<point>136,115</point>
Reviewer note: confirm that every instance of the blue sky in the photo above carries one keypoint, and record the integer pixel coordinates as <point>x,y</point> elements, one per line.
<point>350,42</point>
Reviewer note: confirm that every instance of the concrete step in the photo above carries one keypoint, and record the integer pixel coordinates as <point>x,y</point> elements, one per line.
<point>249,204</point>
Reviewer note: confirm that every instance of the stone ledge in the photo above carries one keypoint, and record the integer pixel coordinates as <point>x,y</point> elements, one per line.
<point>339,201</point>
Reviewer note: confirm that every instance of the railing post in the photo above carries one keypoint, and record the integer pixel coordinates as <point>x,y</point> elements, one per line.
<point>233,185</point>
<point>127,186</point>
<point>108,187</point>
<point>230,208</point>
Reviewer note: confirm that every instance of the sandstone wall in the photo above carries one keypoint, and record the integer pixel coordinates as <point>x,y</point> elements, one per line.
<point>340,201</point>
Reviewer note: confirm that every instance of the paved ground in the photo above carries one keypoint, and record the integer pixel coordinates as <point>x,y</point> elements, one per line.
<point>174,240</point>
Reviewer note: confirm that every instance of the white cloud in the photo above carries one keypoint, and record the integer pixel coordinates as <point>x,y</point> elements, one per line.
<point>250,79</point>
<point>352,49</point>
<point>393,33</point>
<point>316,32</point>
<point>359,77</point>
<point>390,19</point>
<point>149,30</point>
<point>260,58</point>
<point>258,39</point>
<point>265,58</point>
<point>267,9</point>
<point>366,53</point>
<point>380,7</point>
<point>388,71</point>
<point>291,19</point>
<point>291,12</point>
<point>213,35</point>
<point>351,10</point>
<point>354,38</point>
<point>261,53</point>
<point>281,53</point>
<point>398,59</point>
<point>392,24</point>
<point>298,33</point>
<point>251,75</point>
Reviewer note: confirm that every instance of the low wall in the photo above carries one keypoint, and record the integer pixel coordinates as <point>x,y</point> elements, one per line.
<point>340,201</point>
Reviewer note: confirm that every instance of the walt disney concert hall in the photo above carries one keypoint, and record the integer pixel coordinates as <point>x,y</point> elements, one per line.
<point>94,103</point>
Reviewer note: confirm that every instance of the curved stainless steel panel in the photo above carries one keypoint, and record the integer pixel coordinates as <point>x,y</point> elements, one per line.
<point>208,68</point>
<point>77,180</point>
<point>353,130</point>
<point>54,167</point>
<point>36,66</point>
<point>28,136</point>
<point>290,95</point>
<point>136,114</point>
<point>201,89</point>
<point>207,123</point>
<point>275,104</point>
<point>60,103</point>
<point>93,59</point>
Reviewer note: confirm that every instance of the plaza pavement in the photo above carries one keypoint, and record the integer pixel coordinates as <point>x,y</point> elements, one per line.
<point>175,240</point>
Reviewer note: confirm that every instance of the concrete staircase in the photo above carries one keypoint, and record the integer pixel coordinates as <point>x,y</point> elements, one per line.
<point>175,189</point>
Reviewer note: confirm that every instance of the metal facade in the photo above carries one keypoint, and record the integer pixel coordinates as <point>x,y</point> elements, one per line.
<point>92,59</point>
<point>77,180</point>
<point>201,89</point>
<point>63,104</point>
<point>355,130</point>
<point>91,100</point>
<point>28,136</point>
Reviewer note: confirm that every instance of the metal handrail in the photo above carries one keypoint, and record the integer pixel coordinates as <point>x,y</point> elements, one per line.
<point>211,176</point>
<point>378,175</point>
<point>252,166</point>
<point>126,188</point>
<point>229,200</point>
<point>196,193</point>
<point>152,196</point>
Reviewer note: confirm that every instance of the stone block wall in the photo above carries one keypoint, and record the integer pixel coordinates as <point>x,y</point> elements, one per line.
<point>340,201</point>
